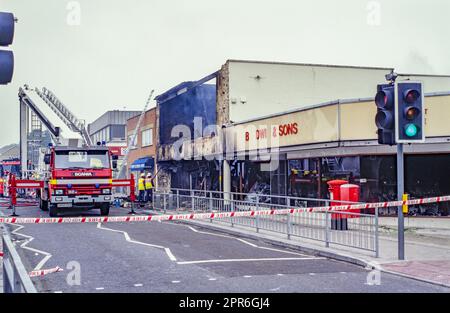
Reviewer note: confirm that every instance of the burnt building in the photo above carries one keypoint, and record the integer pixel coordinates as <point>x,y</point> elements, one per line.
<point>287,129</point>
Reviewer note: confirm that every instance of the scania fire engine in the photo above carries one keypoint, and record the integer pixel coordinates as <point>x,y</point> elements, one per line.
<point>77,178</point>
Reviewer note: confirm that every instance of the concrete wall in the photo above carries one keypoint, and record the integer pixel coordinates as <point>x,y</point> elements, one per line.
<point>258,88</point>
<point>255,89</point>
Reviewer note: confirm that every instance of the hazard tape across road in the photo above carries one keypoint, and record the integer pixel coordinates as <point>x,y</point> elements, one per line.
<point>45,272</point>
<point>213,215</point>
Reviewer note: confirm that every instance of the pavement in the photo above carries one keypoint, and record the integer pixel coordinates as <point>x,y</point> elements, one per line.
<point>422,222</point>
<point>178,257</point>
<point>427,250</point>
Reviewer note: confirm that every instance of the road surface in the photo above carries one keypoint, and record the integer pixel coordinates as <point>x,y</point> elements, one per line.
<point>174,257</point>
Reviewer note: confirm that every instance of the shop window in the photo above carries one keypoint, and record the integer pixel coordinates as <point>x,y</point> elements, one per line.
<point>147,137</point>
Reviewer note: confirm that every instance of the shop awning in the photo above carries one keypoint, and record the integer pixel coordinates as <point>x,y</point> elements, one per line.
<point>143,164</point>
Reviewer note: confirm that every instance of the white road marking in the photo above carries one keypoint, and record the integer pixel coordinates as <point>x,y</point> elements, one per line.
<point>241,240</point>
<point>280,274</point>
<point>175,281</point>
<point>247,243</point>
<point>275,289</point>
<point>246,260</point>
<point>212,279</point>
<point>127,238</point>
<point>29,239</point>
<point>170,254</point>
<point>58,292</point>
<point>99,288</point>
<point>138,285</point>
<point>343,272</point>
<point>247,276</point>
<point>312,274</point>
<point>191,228</point>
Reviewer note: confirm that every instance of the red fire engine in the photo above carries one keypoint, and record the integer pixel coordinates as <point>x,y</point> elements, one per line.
<point>77,178</point>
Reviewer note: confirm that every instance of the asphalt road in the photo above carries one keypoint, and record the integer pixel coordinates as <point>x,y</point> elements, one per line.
<point>175,257</point>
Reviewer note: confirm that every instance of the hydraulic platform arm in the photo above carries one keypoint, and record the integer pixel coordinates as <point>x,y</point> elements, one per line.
<point>27,102</point>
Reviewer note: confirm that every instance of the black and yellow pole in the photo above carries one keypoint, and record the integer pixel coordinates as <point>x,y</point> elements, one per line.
<point>405,206</point>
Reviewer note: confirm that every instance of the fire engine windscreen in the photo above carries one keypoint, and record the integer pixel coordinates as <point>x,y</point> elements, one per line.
<point>81,159</point>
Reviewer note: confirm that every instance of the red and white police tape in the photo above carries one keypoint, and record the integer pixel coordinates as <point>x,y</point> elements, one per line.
<point>213,215</point>
<point>45,272</point>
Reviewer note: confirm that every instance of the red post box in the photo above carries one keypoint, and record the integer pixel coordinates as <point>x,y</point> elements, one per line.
<point>334,187</point>
<point>338,221</point>
<point>350,192</point>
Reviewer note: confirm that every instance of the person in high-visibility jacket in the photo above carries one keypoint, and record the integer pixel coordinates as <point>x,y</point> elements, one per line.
<point>149,187</point>
<point>141,187</point>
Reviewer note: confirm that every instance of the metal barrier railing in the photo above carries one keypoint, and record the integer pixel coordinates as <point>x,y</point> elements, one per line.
<point>15,277</point>
<point>251,197</point>
<point>351,229</point>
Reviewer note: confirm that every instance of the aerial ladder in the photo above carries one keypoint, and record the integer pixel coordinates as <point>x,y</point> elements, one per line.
<point>68,118</point>
<point>134,136</point>
<point>75,124</point>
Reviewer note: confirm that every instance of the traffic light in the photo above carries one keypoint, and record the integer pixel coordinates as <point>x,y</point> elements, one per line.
<point>385,118</point>
<point>7,21</point>
<point>409,112</point>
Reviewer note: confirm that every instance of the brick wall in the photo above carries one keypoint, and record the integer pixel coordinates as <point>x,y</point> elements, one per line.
<point>148,122</point>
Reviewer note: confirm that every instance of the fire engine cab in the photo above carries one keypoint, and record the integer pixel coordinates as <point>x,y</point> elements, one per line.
<point>77,178</point>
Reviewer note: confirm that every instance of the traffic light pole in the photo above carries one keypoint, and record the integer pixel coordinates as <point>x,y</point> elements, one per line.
<point>400,191</point>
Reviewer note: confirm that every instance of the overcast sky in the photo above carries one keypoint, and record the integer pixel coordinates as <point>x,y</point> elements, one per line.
<point>122,49</point>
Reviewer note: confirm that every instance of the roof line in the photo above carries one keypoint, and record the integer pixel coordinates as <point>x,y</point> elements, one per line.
<point>9,149</point>
<point>424,75</point>
<point>137,116</point>
<point>175,92</point>
<point>310,64</point>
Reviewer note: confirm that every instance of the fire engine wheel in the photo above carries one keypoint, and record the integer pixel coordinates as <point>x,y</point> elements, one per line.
<point>104,210</point>
<point>43,205</point>
<point>53,211</point>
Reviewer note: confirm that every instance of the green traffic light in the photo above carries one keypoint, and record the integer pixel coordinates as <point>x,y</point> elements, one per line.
<point>411,130</point>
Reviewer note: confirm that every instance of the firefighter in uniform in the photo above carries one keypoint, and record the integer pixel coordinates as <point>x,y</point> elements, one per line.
<point>149,187</point>
<point>141,187</point>
<point>295,188</point>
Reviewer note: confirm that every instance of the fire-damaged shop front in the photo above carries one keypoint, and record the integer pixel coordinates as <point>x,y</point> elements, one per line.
<point>183,116</point>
